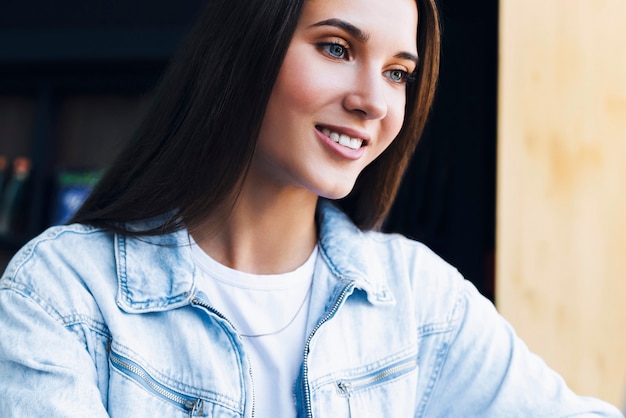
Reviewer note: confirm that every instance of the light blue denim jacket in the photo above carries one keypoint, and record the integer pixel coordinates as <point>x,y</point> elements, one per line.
<point>96,324</point>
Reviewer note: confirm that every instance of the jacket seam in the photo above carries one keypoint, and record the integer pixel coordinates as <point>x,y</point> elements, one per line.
<point>29,250</point>
<point>28,294</point>
<point>120,265</point>
<point>454,328</point>
<point>93,325</point>
<point>434,328</point>
<point>66,321</point>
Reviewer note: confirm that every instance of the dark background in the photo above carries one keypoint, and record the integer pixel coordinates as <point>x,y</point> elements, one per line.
<point>50,50</point>
<point>447,199</point>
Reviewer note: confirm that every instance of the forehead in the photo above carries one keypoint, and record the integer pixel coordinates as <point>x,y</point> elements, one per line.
<point>391,20</point>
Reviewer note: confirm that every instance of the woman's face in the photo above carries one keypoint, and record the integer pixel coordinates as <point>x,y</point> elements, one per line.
<point>339,98</point>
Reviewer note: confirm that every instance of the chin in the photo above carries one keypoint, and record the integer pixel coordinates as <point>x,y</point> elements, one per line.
<point>327,187</point>
<point>336,194</point>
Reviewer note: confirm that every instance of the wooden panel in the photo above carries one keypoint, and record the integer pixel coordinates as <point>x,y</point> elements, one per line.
<point>561,205</point>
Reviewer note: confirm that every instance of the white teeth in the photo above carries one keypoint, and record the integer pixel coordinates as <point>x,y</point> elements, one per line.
<point>343,139</point>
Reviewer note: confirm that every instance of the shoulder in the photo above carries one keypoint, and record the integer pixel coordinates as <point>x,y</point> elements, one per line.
<point>414,256</point>
<point>419,276</point>
<point>59,246</point>
<point>55,268</point>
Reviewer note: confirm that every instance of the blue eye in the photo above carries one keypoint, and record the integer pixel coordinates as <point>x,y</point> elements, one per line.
<point>335,50</point>
<point>397,76</point>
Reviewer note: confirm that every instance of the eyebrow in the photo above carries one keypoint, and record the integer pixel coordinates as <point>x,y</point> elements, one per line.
<point>348,27</point>
<point>408,56</point>
<point>360,35</point>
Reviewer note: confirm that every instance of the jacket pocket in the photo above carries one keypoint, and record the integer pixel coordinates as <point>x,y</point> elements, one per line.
<point>384,392</point>
<point>346,387</point>
<point>191,406</point>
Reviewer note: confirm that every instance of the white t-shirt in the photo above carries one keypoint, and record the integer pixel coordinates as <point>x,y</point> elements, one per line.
<point>270,312</point>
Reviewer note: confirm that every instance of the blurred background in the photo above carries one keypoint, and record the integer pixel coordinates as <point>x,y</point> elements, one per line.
<point>519,180</point>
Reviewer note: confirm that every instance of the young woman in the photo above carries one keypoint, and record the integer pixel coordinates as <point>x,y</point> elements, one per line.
<point>209,273</point>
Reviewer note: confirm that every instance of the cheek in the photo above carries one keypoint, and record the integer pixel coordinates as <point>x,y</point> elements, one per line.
<point>305,83</point>
<point>395,119</point>
<point>299,89</point>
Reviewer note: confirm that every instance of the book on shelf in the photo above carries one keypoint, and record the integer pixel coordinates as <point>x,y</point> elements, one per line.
<point>4,172</point>
<point>72,188</point>
<point>13,196</point>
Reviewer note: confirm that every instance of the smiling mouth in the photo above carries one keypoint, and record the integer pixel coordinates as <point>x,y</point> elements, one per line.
<point>342,139</point>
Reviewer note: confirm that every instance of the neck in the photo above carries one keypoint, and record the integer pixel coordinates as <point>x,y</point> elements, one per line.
<point>265,233</point>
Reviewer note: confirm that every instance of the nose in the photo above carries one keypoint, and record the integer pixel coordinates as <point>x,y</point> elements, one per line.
<point>367,96</point>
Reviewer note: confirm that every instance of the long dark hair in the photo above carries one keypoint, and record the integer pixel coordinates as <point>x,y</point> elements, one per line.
<point>197,140</point>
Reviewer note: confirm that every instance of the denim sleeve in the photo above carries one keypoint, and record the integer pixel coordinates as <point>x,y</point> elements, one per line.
<point>487,371</point>
<point>45,367</point>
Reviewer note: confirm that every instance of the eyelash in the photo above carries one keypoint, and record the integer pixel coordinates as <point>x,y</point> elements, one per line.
<point>345,49</point>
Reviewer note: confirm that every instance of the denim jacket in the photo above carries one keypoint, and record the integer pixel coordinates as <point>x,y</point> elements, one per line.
<point>97,324</point>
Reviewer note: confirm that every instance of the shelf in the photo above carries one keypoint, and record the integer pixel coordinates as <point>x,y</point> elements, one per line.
<point>63,63</point>
<point>49,46</point>
<point>88,61</point>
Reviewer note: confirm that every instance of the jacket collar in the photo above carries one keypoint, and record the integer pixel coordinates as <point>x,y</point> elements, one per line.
<point>157,273</point>
<point>351,254</point>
